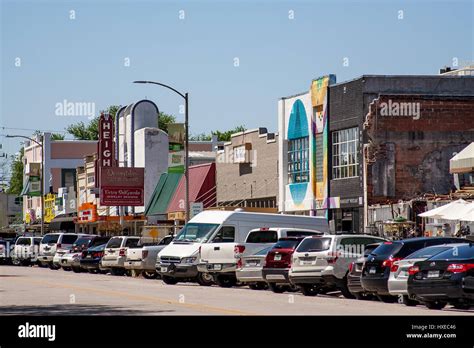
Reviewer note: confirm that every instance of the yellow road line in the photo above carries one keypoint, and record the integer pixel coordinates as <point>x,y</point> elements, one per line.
<point>201,307</point>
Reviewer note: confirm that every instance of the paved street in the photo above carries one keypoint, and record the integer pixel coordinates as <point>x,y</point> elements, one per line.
<point>41,291</point>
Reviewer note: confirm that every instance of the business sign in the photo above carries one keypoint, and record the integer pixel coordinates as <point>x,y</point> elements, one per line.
<point>87,212</point>
<point>49,211</point>
<point>35,186</point>
<point>176,135</point>
<point>196,208</point>
<point>241,153</point>
<point>106,155</point>
<point>121,186</point>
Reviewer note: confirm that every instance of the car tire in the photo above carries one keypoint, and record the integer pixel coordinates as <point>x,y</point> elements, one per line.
<point>437,305</point>
<point>309,290</point>
<point>464,306</point>
<point>387,298</point>
<point>150,275</point>
<point>169,280</point>
<point>345,289</point>
<point>258,286</point>
<point>53,267</point>
<point>278,289</point>
<point>204,279</point>
<point>77,269</point>
<point>226,281</point>
<point>67,269</point>
<point>408,301</point>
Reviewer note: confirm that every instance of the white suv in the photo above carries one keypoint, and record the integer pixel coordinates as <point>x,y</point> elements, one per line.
<point>321,263</point>
<point>26,250</point>
<point>115,253</point>
<point>53,242</point>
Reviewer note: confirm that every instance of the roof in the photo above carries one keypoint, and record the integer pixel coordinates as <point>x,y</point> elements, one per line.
<point>202,187</point>
<point>463,161</point>
<point>164,190</point>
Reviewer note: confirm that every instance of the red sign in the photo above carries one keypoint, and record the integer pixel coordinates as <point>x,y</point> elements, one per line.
<point>121,186</point>
<point>106,141</point>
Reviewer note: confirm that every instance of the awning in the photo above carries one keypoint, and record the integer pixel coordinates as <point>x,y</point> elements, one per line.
<point>62,223</point>
<point>26,189</point>
<point>458,210</point>
<point>202,187</point>
<point>463,162</point>
<point>164,190</point>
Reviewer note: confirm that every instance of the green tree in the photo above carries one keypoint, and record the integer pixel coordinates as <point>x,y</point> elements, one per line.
<point>16,180</point>
<point>57,136</point>
<point>221,135</point>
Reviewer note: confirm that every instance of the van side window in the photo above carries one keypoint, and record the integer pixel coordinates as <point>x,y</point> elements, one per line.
<point>131,242</point>
<point>69,238</point>
<point>225,235</point>
<point>262,237</point>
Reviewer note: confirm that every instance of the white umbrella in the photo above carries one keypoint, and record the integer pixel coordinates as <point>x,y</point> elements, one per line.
<point>444,210</point>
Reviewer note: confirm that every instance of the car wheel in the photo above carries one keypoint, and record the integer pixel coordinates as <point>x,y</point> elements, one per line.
<point>77,269</point>
<point>226,281</point>
<point>462,305</point>
<point>435,305</point>
<point>276,288</point>
<point>309,290</point>
<point>150,275</point>
<point>345,289</point>
<point>258,286</point>
<point>169,280</point>
<point>408,301</point>
<point>204,279</point>
<point>387,298</point>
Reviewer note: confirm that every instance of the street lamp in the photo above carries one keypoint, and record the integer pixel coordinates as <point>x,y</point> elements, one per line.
<point>186,141</point>
<point>42,174</point>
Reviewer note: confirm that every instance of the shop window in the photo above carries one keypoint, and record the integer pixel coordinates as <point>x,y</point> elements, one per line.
<point>298,160</point>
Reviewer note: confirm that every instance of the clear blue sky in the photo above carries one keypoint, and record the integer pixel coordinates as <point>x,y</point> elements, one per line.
<point>83,59</point>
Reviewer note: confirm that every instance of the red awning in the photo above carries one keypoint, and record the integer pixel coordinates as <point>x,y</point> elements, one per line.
<point>202,188</point>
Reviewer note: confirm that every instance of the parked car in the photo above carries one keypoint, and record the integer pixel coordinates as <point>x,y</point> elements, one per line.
<point>7,247</point>
<point>322,263</point>
<point>142,258</point>
<point>376,269</point>
<point>210,238</point>
<point>447,277</point>
<point>116,252</point>
<point>355,271</point>
<point>71,259</point>
<point>26,250</point>
<point>277,264</point>
<point>397,281</point>
<point>51,243</point>
<point>91,257</point>
<point>249,269</point>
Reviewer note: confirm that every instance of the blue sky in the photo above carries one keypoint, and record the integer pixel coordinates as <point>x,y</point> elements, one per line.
<point>82,60</point>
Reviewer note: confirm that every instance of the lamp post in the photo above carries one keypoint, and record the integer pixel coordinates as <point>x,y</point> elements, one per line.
<point>186,141</point>
<point>42,174</point>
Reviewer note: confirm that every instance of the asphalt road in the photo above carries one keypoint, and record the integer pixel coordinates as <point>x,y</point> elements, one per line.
<point>41,291</point>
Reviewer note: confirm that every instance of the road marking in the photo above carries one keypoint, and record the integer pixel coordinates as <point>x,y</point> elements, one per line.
<point>200,307</point>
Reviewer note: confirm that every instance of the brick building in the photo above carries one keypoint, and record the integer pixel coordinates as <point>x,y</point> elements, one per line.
<point>408,127</point>
<point>247,170</point>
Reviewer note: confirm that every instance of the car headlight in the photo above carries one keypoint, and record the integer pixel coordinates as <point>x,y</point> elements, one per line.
<point>188,259</point>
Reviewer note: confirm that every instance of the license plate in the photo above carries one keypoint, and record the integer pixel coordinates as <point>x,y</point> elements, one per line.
<point>372,270</point>
<point>306,262</point>
<point>216,267</point>
<point>277,257</point>
<point>164,269</point>
<point>433,274</point>
<point>252,263</point>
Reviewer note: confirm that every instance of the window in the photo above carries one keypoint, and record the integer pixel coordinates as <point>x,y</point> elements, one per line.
<point>345,154</point>
<point>300,233</point>
<point>114,243</point>
<point>23,241</point>
<point>314,244</point>
<point>196,232</point>
<point>225,235</point>
<point>262,237</point>
<point>298,160</point>
<point>90,179</point>
<point>463,252</point>
<point>132,242</point>
<point>69,238</point>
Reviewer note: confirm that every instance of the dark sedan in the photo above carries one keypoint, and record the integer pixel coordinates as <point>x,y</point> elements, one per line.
<point>447,277</point>
<point>90,260</point>
<point>355,271</point>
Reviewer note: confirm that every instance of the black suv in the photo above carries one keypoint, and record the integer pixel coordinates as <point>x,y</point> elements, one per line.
<point>376,270</point>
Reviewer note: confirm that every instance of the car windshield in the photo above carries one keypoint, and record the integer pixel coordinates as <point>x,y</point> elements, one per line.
<point>196,232</point>
<point>386,249</point>
<point>286,244</point>
<point>23,241</point>
<point>50,238</point>
<point>314,244</point>
<point>82,242</point>
<point>428,252</point>
<point>456,253</point>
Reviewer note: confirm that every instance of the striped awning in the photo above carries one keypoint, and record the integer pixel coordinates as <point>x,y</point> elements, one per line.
<point>463,162</point>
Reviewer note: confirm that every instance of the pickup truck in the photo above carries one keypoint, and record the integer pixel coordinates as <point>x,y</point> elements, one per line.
<point>222,259</point>
<point>142,258</point>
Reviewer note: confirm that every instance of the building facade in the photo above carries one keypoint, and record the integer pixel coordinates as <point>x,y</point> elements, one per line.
<point>247,170</point>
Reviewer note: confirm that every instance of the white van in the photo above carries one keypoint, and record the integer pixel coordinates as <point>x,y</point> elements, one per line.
<point>26,250</point>
<point>219,231</point>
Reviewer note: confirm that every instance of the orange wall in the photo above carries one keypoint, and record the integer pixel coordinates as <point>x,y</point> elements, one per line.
<point>72,150</point>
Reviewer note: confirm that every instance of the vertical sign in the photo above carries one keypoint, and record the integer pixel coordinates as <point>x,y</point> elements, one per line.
<point>105,145</point>
<point>176,133</point>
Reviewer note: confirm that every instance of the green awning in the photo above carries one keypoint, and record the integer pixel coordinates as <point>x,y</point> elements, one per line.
<point>164,191</point>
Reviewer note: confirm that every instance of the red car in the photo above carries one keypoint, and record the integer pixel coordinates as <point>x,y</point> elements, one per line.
<point>278,263</point>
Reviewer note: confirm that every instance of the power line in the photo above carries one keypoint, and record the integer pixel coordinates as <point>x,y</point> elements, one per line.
<point>34,130</point>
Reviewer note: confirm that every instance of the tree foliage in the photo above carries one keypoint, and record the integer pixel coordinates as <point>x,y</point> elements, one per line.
<point>221,136</point>
<point>16,180</point>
